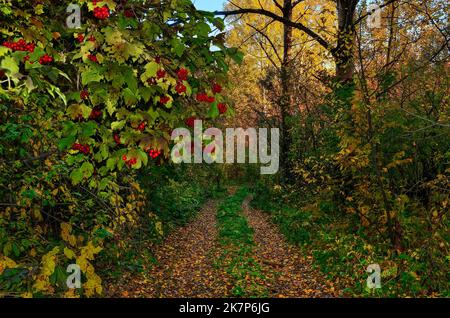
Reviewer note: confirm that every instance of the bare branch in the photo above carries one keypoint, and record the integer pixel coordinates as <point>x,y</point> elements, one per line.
<point>296,25</point>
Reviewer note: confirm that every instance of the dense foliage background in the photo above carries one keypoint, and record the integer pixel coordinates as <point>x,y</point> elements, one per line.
<point>86,117</point>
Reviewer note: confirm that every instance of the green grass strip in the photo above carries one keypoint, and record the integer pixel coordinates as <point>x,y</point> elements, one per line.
<point>236,239</point>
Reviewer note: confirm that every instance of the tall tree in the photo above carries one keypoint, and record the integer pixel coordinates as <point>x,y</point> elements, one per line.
<point>341,49</point>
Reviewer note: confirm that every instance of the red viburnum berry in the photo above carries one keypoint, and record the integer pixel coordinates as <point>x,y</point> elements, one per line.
<point>92,38</point>
<point>142,126</point>
<point>101,13</point>
<point>210,99</point>
<point>46,59</point>
<point>93,58</point>
<point>80,38</point>
<point>131,162</point>
<point>117,139</point>
<point>183,74</point>
<point>180,88</point>
<point>160,74</point>
<point>95,113</point>
<point>94,2</point>
<point>217,89</point>
<point>81,148</point>
<point>128,13</point>
<point>222,108</point>
<point>153,153</point>
<point>20,45</point>
<point>190,122</point>
<point>124,158</point>
<point>84,94</point>
<point>26,58</point>
<point>30,47</point>
<point>202,97</point>
<point>164,99</point>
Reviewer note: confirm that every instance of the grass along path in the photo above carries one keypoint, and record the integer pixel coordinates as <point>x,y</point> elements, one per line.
<point>237,249</point>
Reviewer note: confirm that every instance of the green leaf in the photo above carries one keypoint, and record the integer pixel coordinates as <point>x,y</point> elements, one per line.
<point>111,163</point>
<point>203,29</point>
<point>177,47</point>
<point>214,110</point>
<point>129,97</point>
<point>90,76</point>
<point>88,129</point>
<point>117,125</point>
<point>87,169</point>
<point>150,71</point>
<point>66,143</point>
<point>10,64</point>
<point>76,176</point>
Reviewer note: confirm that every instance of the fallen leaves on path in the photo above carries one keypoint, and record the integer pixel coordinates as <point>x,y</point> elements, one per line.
<point>184,263</point>
<point>289,274</point>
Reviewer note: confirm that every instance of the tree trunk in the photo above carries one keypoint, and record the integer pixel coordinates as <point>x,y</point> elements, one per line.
<point>285,101</point>
<point>344,51</point>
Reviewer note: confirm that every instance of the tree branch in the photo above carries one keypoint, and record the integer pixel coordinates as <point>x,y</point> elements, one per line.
<point>296,25</point>
<point>370,13</point>
<point>269,40</point>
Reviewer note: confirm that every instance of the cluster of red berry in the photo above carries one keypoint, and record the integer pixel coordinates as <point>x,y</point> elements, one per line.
<point>180,88</point>
<point>153,153</point>
<point>20,45</point>
<point>128,13</point>
<point>164,99</point>
<point>117,139</point>
<point>183,74</point>
<point>95,113</point>
<point>84,94</point>
<point>216,88</point>
<point>46,59</point>
<point>82,148</point>
<point>101,13</point>
<point>190,122</point>
<point>160,74</point>
<point>93,58</point>
<point>203,97</point>
<point>142,126</point>
<point>130,162</point>
<point>222,108</point>
<point>80,38</point>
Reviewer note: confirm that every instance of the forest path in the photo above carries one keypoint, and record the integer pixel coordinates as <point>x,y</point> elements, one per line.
<point>187,263</point>
<point>289,274</point>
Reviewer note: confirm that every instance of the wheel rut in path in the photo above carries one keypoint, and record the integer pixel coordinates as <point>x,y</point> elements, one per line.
<point>185,263</point>
<point>289,274</point>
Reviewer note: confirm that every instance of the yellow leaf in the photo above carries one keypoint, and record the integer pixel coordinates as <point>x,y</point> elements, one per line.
<point>69,253</point>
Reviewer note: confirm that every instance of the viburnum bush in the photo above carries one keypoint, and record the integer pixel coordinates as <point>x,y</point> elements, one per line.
<point>81,110</point>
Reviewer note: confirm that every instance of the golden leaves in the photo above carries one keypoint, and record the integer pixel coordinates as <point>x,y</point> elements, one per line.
<point>66,235</point>
<point>6,262</point>
<point>42,282</point>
